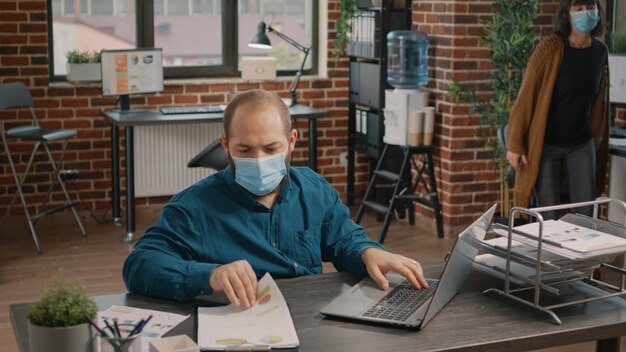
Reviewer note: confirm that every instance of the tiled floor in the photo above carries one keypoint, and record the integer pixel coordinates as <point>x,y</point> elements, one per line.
<point>97,259</point>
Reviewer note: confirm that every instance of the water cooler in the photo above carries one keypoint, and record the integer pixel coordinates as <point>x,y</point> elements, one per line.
<point>407,72</point>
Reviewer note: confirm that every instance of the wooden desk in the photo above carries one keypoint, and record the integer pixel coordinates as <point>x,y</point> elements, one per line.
<point>144,117</point>
<point>470,322</point>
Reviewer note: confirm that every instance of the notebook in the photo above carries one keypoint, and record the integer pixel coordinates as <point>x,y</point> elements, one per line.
<point>402,304</point>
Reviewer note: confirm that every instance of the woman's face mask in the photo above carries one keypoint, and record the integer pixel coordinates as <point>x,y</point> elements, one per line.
<point>260,176</point>
<point>586,20</point>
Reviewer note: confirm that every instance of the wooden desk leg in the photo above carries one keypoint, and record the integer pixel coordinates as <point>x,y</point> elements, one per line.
<point>609,345</point>
<point>313,144</point>
<point>115,174</point>
<point>130,186</point>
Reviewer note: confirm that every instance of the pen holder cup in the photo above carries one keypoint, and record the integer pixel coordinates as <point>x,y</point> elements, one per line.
<point>122,344</point>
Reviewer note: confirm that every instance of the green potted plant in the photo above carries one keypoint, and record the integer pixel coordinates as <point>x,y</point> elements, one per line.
<point>58,322</point>
<point>343,27</point>
<point>617,42</point>
<point>510,35</point>
<point>83,66</point>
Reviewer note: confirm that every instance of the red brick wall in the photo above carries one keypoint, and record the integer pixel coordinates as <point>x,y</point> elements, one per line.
<point>23,57</point>
<point>464,173</point>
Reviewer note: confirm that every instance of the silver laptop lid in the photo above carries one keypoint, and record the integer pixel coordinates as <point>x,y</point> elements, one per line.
<point>459,264</point>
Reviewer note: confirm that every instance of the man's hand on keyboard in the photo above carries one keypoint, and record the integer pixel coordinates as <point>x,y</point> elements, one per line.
<point>378,262</point>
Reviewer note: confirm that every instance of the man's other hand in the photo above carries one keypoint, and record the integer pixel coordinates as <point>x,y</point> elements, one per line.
<point>378,262</point>
<point>237,280</point>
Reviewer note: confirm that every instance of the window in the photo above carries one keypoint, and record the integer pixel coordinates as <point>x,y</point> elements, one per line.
<point>199,38</point>
<point>291,17</point>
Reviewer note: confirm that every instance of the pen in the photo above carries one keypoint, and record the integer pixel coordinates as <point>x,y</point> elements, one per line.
<point>136,327</point>
<point>142,325</point>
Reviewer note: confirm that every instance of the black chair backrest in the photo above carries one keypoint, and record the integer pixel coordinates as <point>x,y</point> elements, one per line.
<point>212,157</point>
<point>510,171</point>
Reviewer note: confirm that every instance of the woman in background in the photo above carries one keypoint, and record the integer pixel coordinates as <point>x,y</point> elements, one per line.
<point>558,128</point>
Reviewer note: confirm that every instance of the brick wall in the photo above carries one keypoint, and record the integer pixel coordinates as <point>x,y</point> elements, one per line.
<point>23,57</point>
<point>464,173</point>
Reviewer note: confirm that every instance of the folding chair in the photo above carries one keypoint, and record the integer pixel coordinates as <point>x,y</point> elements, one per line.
<point>17,95</point>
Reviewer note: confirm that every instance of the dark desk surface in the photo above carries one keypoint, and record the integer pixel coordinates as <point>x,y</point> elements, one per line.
<point>154,117</point>
<point>470,322</point>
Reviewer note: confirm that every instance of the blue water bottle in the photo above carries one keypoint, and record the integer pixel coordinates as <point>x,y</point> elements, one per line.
<point>407,64</point>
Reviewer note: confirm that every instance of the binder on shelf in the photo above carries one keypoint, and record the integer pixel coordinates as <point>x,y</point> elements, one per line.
<point>366,37</point>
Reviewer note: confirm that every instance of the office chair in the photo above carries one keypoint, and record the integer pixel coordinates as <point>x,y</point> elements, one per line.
<point>509,175</point>
<point>212,157</point>
<point>17,95</point>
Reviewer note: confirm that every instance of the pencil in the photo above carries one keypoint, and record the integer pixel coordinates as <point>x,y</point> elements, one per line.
<point>110,327</point>
<point>100,331</point>
<point>117,328</point>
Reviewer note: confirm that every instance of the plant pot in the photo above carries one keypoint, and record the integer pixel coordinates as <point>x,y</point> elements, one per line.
<point>77,338</point>
<point>83,72</point>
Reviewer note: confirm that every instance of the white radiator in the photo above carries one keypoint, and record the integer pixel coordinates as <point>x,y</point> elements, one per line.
<point>162,153</point>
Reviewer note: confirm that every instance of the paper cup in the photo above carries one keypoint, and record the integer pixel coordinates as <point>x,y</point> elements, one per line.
<point>429,125</point>
<point>416,121</point>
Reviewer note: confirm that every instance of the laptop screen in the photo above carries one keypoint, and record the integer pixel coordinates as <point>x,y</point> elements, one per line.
<point>459,264</point>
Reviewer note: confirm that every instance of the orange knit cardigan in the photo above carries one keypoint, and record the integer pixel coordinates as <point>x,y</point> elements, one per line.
<point>527,123</point>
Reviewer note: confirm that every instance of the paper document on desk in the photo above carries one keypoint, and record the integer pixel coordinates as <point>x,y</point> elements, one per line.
<point>268,323</point>
<point>573,237</point>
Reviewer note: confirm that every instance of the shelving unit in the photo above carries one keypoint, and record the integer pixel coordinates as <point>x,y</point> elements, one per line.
<point>549,275</point>
<point>367,50</point>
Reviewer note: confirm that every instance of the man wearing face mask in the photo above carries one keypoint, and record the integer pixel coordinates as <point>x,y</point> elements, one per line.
<point>558,128</point>
<point>258,215</point>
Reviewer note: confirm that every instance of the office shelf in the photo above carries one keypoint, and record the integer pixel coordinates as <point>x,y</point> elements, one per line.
<point>368,80</point>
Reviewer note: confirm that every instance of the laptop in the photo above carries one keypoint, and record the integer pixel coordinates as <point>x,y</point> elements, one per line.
<point>402,304</point>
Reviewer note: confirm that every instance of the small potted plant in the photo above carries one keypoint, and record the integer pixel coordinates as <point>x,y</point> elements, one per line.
<point>83,66</point>
<point>58,322</point>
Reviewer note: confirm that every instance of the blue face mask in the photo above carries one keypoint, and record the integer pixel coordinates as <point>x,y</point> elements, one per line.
<point>585,21</point>
<point>260,176</point>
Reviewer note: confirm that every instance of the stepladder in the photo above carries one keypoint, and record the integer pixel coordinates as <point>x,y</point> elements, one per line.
<point>414,182</point>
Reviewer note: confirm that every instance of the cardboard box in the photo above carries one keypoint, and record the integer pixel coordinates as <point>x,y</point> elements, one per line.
<point>258,68</point>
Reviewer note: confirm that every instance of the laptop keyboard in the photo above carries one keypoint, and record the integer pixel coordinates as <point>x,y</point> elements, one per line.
<point>402,301</point>
<point>173,110</point>
<point>617,132</point>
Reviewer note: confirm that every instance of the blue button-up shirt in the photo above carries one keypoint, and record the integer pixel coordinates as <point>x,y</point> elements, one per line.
<point>216,221</point>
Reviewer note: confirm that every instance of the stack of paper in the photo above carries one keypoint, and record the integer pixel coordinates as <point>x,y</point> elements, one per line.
<point>575,238</point>
<point>520,274</point>
<point>268,323</point>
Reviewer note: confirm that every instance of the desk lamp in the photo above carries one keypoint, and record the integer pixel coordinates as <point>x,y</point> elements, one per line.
<point>261,41</point>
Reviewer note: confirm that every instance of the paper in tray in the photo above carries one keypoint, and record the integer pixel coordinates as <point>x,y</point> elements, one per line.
<point>574,237</point>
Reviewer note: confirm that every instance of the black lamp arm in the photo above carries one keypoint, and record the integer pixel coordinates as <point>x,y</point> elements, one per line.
<point>287,39</point>
<point>296,79</point>
<point>305,50</point>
